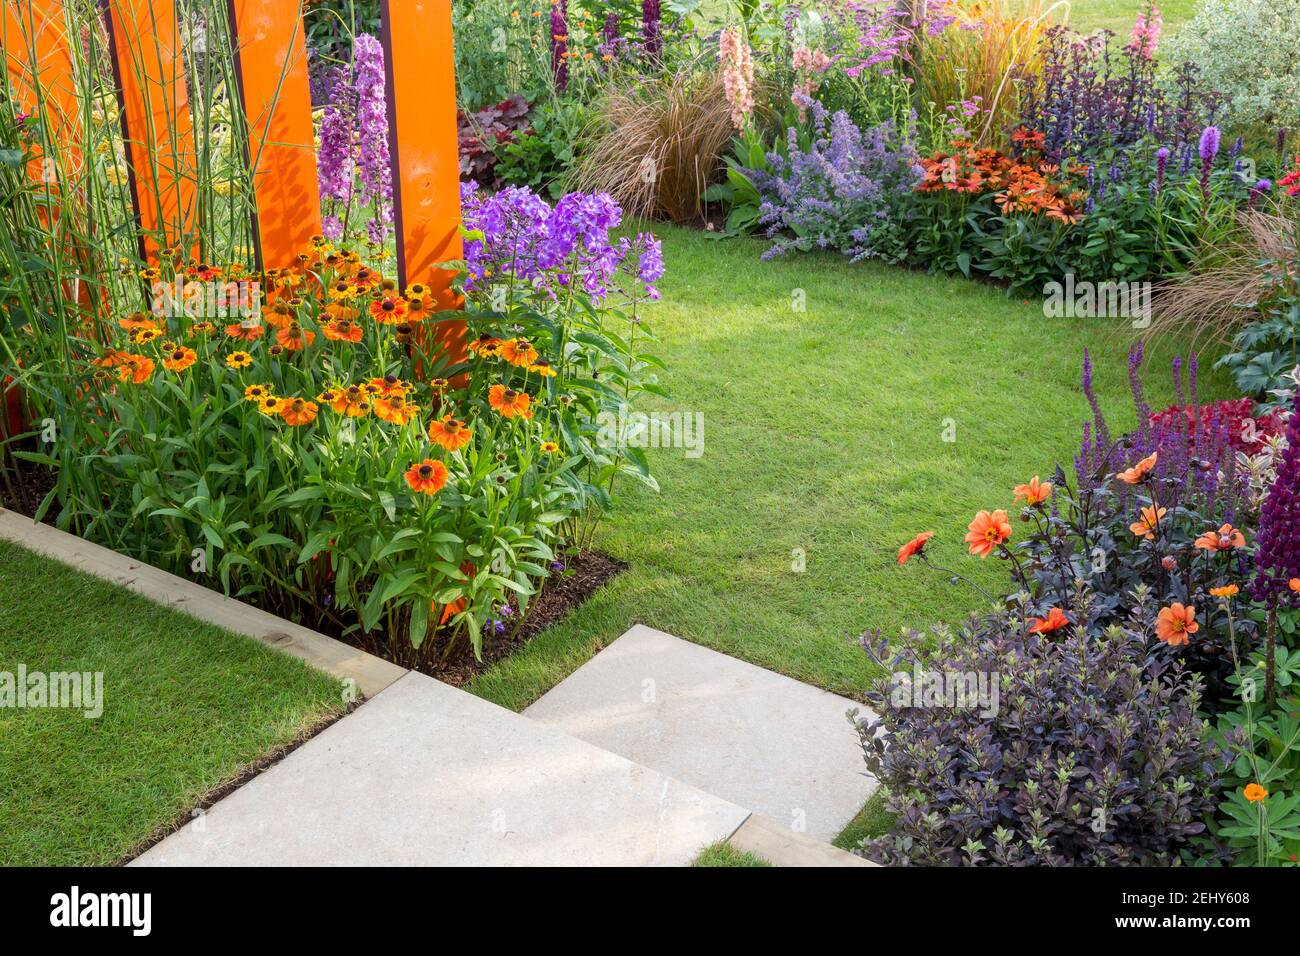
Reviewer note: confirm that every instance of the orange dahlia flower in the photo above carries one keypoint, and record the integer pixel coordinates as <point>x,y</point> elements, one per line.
<point>1132,476</point>
<point>1225,539</point>
<point>1034,493</point>
<point>914,547</point>
<point>988,531</point>
<point>1176,624</point>
<point>1149,522</point>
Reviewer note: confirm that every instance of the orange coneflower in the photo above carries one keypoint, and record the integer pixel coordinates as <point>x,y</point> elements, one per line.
<point>1175,624</point>
<point>179,359</point>
<point>365,278</point>
<point>451,433</point>
<point>1254,793</point>
<point>389,385</point>
<point>988,531</point>
<point>278,315</point>
<point>509,402</point>
<point>249,333</point>
<point>294,337</point>
<point>438,384</point>
<point>914,547</point>
<point>143,336</point>
<point>239,360</point>
<point>518,352</point>
<point>1148,524</point>
<point>1225,539</point>
<point>1034,493</point>
<point>342,330</point>
<point>417,308</point>
<point>1139,471</point>
<point>428,477</point>
<point>202,328</point>
<point>298,411</point>
<point>388,310</point>
<point>395,409</point>
<point>1054,621</point>
<point>543,368</point>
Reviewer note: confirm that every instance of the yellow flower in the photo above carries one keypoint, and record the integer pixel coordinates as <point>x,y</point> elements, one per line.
<point>239,360</point>
<point>255,393</point>
<point>549,448</point>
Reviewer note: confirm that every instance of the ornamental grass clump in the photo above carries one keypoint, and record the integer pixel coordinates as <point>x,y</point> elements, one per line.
<point>1080,750</point>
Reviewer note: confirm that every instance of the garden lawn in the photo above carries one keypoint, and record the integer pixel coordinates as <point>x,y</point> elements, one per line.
<point>1118,15</point>
<point>186,705</point>
<point>824,436</point>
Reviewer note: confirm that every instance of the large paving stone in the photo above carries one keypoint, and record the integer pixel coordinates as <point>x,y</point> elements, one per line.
<point>761,740</point>
<point>424,774</point>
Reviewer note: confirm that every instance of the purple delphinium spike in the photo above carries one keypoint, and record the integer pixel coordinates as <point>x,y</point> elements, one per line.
<point>373,170</point>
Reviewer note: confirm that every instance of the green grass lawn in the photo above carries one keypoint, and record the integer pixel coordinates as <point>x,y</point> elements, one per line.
<point>185,706</point>
<point>723,853</point>
<point>824,434</point>
<point>1117,15</point>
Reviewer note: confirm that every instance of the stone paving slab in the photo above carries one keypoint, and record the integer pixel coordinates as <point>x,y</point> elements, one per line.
<point>764,741</point>
<point>425,774</point>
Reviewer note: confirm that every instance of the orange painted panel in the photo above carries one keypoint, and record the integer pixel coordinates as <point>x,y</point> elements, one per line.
<point>424,150</point>
<point>276,93</point>
<point>156,120</point>
<point>34,40</point>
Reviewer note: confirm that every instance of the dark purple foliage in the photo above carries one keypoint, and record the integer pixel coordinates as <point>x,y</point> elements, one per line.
<point>560,43</point>
<point>1089,98</point>
<point>481,134</point>
<point>1094,754</point>
<point>1277,559</point>
<point>651,27</point>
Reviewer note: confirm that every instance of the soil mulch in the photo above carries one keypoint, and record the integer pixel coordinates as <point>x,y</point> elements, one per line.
<point>586,573</point>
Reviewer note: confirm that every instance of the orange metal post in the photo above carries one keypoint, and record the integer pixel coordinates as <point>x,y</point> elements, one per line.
<point>274,87</point>
<point>156,121</point>
<point>424,151</point>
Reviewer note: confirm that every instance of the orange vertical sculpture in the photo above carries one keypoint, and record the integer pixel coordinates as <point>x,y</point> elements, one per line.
<point>276,94</point>
<point>423,147</point>
<point>145,45</point>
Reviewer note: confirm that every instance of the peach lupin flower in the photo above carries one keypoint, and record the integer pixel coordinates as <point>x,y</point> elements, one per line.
<point>1033,493</point>
<point>988,531</point>
<point>1225,539</point>
<point>1139,471</point>
<point>914,547</point>
<point>1175,624</point>
<point>1148,522</point>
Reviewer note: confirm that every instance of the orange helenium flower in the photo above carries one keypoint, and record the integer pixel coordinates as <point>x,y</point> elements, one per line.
<point>294,337</point>
<point>428,477</point>
<point>1054,621</point>
<point>342,330</point>
<point>1175,624</point>
<point>450,433</point>
<point>1139,471</point>
<point>135,368</point>
<point>1150,521</point>
<point>299,411</point>
<point>1225,539</point>
<point>388,311</point>
<point>249,333</point>
<point>914,547</point>
<point>351,401</point>
<point>395,409</point>
<point>509,402</point>
<point>988,531</point>
<point>518,352</point>
<point>179,360</point>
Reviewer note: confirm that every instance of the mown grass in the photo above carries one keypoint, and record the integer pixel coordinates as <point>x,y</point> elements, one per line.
<point>723,853</point>
<point>824,437</point>
<point>185,706</point>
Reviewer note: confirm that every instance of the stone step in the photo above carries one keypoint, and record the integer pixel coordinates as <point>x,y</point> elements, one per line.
<point>763,741</point>
<point>425,774</point>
